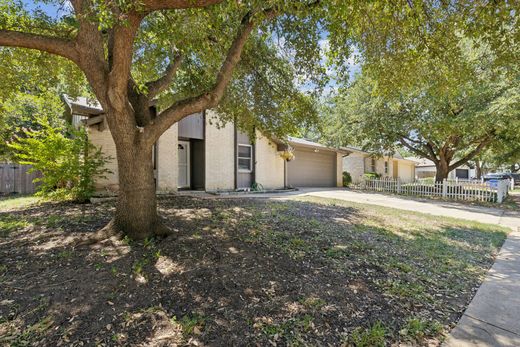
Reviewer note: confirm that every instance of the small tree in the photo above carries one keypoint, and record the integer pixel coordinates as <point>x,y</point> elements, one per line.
<point>67,161</point>
<point>20,111</point>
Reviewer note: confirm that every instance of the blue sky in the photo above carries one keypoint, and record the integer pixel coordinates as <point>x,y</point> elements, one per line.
<point>53,10</point>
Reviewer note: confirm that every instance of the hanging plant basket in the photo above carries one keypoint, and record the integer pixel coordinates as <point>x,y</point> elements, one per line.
<point>287,155</point>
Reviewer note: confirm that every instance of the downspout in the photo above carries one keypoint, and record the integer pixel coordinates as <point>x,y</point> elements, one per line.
<point>235,159</point>
<point>253,155</point>
<point>284,174</point>
<point>204,142</point>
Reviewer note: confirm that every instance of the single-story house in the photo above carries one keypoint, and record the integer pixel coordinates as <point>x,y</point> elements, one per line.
<point>199,153</point>
<point>425,168</point>
<point>360,162</point>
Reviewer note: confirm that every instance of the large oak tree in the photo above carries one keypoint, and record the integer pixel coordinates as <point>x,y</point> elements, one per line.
<point>185,51</point>
<point>479,114</point>
<point>446,93</point>
<point>244,58</point>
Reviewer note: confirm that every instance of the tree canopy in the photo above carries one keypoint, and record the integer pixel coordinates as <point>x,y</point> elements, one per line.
<point>449,128</point>
<point>396,42</point>
<point>21,112</point>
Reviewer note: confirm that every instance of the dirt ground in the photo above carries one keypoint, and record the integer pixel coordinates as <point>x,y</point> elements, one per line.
<point>239,273</point>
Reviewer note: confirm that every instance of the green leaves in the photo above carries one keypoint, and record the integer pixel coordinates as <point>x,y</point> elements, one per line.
<point>403,46</point>
<point>428,119</point>
<point>406,44</point>
<point>67,161</point>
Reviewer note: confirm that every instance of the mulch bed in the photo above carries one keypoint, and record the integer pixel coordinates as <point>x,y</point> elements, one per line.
<point>238,272</point>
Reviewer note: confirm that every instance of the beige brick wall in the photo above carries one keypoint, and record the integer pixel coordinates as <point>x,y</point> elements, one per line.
<point>167,160</point>
<point>358,163</point>
<point>406,171</point>
<point>380,166</point>
<point>268,164</point>
<point>354,165</point>
<point>220,154</point>
<point>103,140</point>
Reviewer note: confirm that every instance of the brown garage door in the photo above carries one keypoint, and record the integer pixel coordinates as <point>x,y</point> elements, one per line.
<point>312,169</point>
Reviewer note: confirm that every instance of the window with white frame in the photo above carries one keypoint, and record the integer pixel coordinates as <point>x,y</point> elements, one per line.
<point>245,158</point>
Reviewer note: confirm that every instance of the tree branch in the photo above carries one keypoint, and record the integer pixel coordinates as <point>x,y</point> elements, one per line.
<point>120,52</point>
<point>416,150</point>
<point>54,45</point>
<point>90,45</point>
<point>159,85</point>
<point>486,141</point>
<point>154,5</point>
<point>209,99</point>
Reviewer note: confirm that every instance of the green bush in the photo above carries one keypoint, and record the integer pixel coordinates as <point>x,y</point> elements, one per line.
<point>347,179</point>
<point>371,175</point>
<point>67,160</point>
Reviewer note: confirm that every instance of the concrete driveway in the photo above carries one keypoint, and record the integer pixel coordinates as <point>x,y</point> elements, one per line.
<point>491,215</point>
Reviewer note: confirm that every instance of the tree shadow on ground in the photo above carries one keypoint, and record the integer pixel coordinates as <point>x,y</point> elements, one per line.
<point>236,272</point>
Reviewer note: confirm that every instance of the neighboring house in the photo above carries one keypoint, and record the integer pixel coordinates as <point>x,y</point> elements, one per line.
<point>425,168</point>
<point>199,153</point>
<point>359,162</point>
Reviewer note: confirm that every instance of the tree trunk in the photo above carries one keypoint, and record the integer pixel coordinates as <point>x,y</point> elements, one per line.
<point>478,169</point>
<point>442,171</point>
<point>136,208</point>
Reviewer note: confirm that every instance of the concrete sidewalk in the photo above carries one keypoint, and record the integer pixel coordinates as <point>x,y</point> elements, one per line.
<point>493,316</point>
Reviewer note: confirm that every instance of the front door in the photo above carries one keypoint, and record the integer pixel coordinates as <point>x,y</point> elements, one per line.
<point>184,164</point>
<point>395,169</point>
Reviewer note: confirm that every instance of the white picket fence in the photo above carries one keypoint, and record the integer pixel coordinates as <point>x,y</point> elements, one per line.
<point>448,189</point>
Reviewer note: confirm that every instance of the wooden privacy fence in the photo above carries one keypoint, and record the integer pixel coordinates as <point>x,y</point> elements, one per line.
<point>495,191</point>
<point>15,179</point>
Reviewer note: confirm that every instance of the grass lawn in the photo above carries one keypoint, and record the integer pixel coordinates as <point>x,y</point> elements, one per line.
<point>245,272</point>
<point>9,203</point>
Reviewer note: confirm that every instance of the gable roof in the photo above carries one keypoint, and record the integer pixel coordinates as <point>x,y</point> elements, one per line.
<point>421,162</point>
<point>355,149</point>
<point>83,106</point>
<point>90,107</point>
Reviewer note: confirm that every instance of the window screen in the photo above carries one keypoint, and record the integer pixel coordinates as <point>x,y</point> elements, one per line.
<point>245,157</point>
